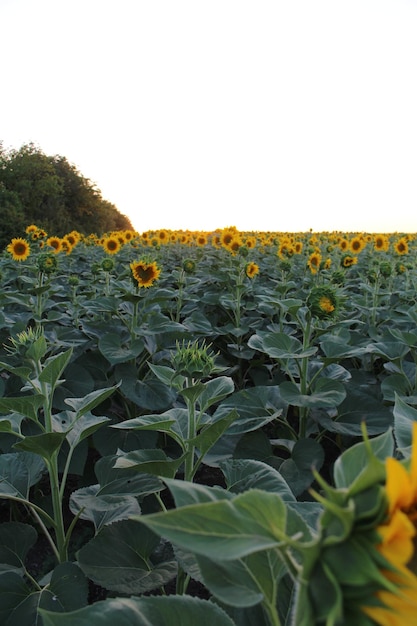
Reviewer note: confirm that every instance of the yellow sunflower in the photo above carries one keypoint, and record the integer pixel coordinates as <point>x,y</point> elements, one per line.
<point>381,243</point>
<point>201,240</point>
<point>111,244</point>
<point>19,249</point>
<point>357,244</point>
<point>398,544</point>
<point>55,243</point>
<point>251,269</point>
<point>314,262</point>
<point>347,260</point>
<point>401,246</point>
<point>32,228</point>
<point>145,273</point>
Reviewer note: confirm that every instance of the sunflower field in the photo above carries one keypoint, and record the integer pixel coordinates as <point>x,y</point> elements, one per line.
<point>201,427</point>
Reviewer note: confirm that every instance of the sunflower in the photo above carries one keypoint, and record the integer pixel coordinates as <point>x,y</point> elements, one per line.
<point>201,240</point>
<point>347,260</point>
<point>73,238</point>
<point>344,244</point>
<point>32,228</point>
<point>357,244</point>
<point>251,269</point>
<point>55,243</point>
<point>398,544</point>
<point>144,273</point>
<point>162,236</point>
<point>323,302</point>
<point>47,262</point>
<point>401,246</point>
<point>111,244</point>
<point>19,249</point>
<point>314,262</point>
<point>381,243</point>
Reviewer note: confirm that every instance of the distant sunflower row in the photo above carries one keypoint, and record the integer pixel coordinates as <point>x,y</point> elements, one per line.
<point>317,245</point>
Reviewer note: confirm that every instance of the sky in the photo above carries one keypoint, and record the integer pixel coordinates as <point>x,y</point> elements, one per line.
<point>269,115</point>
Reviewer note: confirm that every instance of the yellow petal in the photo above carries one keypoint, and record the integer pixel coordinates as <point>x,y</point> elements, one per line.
<point>398,486</point>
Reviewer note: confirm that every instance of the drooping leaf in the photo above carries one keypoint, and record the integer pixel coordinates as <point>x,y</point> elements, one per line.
<point>151,611</point>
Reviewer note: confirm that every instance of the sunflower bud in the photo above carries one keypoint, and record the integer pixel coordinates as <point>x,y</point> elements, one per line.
<point>193,360</point>
<point>107,265</point>
<point>47,262</point>
<point>323,302</point>
<point>188,265</point>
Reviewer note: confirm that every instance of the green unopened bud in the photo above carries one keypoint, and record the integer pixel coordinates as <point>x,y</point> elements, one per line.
<point>188,266</point>
<point>193,360</point>
<point>386,269</point>
<point>73,281</point>
<point>47,262</point>
<point>30,342</point>
<point>107,265</point>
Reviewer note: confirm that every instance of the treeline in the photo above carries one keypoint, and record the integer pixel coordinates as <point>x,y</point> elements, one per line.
<point>50,192</point>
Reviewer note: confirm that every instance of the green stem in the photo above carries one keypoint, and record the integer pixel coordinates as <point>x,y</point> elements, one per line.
<point>57,508</point>
<point>272,613</point>
<point>302,428</point>
<point>189,459</point>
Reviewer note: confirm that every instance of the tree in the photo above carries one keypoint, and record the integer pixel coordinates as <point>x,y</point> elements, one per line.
<point>50,192</point>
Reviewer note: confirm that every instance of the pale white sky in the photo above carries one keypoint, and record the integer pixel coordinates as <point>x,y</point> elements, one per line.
<point>277,115</point>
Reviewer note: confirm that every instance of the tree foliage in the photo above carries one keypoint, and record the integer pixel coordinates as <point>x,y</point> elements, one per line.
<point>50,192</point>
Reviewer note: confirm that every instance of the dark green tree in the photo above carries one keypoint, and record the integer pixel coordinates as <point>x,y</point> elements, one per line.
<point>50,192</point>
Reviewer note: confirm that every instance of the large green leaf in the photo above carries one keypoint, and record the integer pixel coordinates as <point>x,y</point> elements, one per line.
<point>281,346</point>
<point>117,351</point>
<point>362,464</point>
<point>54,367</point>
<point>45,444</point>
<point>102,509</point>
<point>228,529</point>
<point>116,481</point>
<point>25,405</point>
<point>210,433</point>
<point>244,582</point>
<point>18,472</point>
<point>244,474</point>
<point>150,461</point>
<point>16,539</point>
<point>326,393</point>
<point>127,559</point>
<point>152,611</point>
<point>91,400</point>
<point>214,391</point>
<point>404,417</point>
<point>256,407</point>
<point>19,604</point>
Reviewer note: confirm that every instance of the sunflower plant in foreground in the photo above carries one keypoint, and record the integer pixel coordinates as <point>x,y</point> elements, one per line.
<point>45,442</point>
<point>347,559</point>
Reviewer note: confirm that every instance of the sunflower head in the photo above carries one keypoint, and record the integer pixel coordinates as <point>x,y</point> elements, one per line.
<point>285,266</point>
<point>107,265</point>
<point>145,273</point>
<point>385,269</point>
<point>73,280</point>
<point>112,244</point>
<point>188,265</point>
<point>348,260</point>
<point>30,343</point>
<point>19,249</point>
<point>401,246</point>
<point>47,262</point>
<point>251,269</point>
<point>323,302</point>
